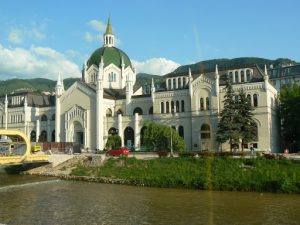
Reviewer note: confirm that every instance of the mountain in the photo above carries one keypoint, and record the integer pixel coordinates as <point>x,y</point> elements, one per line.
<point>145,78</point>
<point>41,84</point>
<point>32,85</point>
<point>209,65</point>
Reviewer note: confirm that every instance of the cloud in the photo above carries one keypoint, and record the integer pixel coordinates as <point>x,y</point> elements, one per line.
<point>97,25</point>
<point>72,53</point>
<point>156,66</point>
<point>15,36</point>
<point>37,61</point>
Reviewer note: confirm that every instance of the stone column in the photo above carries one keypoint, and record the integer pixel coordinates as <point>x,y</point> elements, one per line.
<point>120,128</point>
<point>37,130</point>
<point>57,120</point>
<point>136,131</point>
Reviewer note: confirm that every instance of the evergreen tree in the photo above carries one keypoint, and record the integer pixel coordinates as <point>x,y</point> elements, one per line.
<point>228,128</point>
<point>244,118</point>
<point>289,115</point>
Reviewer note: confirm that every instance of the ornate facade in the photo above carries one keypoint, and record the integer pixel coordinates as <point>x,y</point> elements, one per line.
<point>108,101</point>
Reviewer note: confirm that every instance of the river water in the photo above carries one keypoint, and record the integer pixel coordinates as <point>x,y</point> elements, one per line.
<point>39,200</point>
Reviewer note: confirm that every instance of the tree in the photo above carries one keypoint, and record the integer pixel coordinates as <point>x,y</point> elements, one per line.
<point>113,141</point>
<point>157,137</point>
<point>289,114</point>
<point>228,128</point>
<point>244,118</point>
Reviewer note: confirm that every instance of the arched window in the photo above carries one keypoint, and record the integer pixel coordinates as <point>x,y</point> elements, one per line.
<point>162,107</point>
<point>172,106</point>
<point>183,82</point>
<point>112,77</point>
<point>201,104</point>
<point>150,110</point>
<point>167,107</point>
<point>138,110</point>
<point>231,77</point>
<point>108,113</point>
<point>120,112</point>
<point>236,76</point>
<point>169,83</point>
<point>181,131</point>
<point>44,118</point>
<point>207,103</point>
<point>174,83</point>
<point>248,75</point>
<point>242,76</point>
<point>53,117</point>
<point>182,105</point>
<point>177,106</point>
<point>249,99</point>
<point>205,131</point>
<point>255,100</point>
<point>178,82</point>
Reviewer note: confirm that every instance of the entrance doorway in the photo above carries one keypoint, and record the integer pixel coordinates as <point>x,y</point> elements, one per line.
<point>129,137</point>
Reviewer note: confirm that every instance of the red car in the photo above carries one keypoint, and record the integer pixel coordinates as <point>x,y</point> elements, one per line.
<point>118,152</point>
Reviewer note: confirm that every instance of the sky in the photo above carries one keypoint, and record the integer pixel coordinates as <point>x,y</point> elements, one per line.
<point>39,38</point>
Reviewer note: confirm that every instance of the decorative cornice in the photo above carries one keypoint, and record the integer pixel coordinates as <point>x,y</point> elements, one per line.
<point>172,93</point>
<point>245,87</point>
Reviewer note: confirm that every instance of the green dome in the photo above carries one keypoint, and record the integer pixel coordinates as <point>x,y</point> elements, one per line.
<point>110,55</point>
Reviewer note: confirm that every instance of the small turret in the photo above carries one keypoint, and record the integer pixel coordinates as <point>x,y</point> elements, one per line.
<point>190,82</point>
<point>152,90</point>
<point>84,72</point>
<point>59,89</point>
<point>266,77</point>
<point>217,78</point>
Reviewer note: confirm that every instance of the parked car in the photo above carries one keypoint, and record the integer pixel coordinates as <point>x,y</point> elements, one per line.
<point>118,152</point>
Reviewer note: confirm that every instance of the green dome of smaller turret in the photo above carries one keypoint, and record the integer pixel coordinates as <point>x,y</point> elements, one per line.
<point>111,55</point>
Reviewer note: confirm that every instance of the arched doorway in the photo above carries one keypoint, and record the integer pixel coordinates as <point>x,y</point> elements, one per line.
<point>78,133</point>
<point>43,136</point>
<point>53,136</point>
<point>129,137</point>
<point>33,136</point>
<point>112,131</point>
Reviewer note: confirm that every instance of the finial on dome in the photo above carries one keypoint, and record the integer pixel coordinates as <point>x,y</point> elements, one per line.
<point>108,27</point>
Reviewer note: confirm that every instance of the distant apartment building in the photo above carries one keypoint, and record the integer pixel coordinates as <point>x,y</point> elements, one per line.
<point>284,75</point>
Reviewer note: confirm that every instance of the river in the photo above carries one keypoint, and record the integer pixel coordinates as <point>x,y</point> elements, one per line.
<point>39,200</point>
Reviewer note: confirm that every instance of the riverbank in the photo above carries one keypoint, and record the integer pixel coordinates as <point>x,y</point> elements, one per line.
<point>208,173</point>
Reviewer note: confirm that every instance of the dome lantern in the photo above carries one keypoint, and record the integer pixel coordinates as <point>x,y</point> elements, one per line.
<point>109,38</point>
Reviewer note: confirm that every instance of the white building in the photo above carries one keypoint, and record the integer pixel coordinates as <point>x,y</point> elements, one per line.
<point>108,101</point>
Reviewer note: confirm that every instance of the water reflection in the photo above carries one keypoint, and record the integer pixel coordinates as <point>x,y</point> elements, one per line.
<point>62,202</point>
